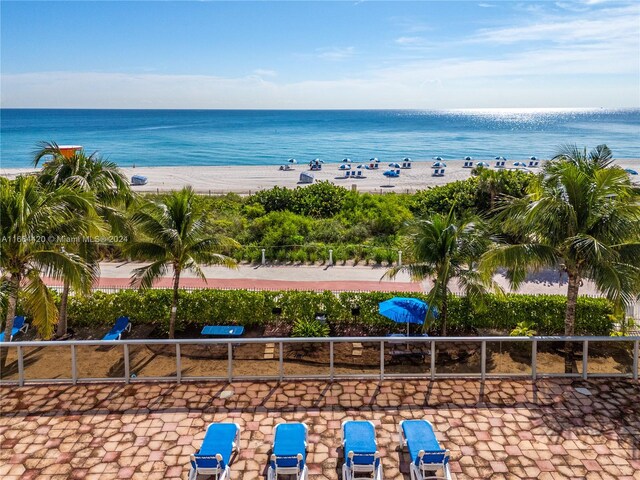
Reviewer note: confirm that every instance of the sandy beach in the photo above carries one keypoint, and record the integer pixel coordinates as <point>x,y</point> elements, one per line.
<point>248,179</point>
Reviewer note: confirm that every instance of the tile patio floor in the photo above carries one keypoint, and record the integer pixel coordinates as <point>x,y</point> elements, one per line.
<point>499,430</point>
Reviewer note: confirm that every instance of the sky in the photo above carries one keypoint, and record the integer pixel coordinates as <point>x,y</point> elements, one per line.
<point>320,55</point>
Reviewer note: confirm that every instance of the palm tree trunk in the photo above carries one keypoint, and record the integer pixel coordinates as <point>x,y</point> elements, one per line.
<point>62,316</point>
<point>443,314</point>
<point>570,319</point>
<point>174,304</point>
<point>12,301</point>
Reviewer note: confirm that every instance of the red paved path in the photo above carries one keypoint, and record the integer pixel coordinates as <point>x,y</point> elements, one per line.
<point>258,284</point>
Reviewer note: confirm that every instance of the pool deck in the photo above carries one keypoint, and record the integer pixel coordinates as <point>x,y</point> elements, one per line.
<point>498,429</point>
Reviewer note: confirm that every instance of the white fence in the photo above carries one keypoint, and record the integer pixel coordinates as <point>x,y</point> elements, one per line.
<point>316,358</point>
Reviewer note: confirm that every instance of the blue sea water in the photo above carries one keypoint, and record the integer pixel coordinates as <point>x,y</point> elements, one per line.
<point>259,137</point>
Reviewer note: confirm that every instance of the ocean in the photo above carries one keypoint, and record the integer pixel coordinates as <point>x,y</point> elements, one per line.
<point>259,137</point>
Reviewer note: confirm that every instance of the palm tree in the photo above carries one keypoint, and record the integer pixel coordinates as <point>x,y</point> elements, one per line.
<point>176,236</point>
<point>581,215</point>
<point>31,220</point>
<point>445,247</point>
<point>110,189</point>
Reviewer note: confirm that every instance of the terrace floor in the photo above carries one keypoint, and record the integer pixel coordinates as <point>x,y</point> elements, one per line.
<point>499,429</point>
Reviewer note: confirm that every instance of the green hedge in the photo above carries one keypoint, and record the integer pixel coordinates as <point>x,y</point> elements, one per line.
<point>210,307</point>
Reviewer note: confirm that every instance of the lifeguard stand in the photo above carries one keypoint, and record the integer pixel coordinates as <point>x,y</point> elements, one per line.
<point>69,151</point>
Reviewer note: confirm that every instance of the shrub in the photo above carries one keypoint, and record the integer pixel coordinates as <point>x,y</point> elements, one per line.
<point>273,200</point>
<point>309,328</point>
<point>524,329</point>
<point>319,200</point>
<point>211,307</point>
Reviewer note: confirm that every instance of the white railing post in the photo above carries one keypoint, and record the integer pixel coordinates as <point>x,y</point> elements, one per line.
<point>280,361</point>
<point>399,258</point>
<point>127,373</point>
<point>74,368</point>
<point>178,364</point>
<point>331,371</point>
<point>264,259</point>
<point>534,359</point>
<point>382,360</point>
<point>21,366</point>
<point>483,360</point>
<point>330,257</point>
<point>229,362</point>
<point>585,358</point>
<point>433,359</point>
<point>636,349</point>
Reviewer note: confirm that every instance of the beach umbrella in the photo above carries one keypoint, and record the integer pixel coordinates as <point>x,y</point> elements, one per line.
<point>532,158</point>
<point>482,164</point>
<point>292,160</point>
<point>519,164</point>
<point>438,165</point>
<point>346,160</point>
<point>630,171</point>
<point>406,159</point>
<point>406,310</point>
<point>360,166</point>
<point>394,165</point>
<point>374,159</point>
<point>468,158</point>
<point>438,158</point>
<point>500,158</point>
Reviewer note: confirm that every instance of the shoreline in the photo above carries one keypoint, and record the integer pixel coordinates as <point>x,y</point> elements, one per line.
<point>249,179</point>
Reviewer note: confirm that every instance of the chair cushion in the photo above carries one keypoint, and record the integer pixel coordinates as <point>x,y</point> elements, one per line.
<point>289,442</point>
<point>218,439</point>
<point>420,436</point>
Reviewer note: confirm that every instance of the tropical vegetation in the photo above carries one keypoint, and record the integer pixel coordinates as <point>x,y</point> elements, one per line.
<point>172,235</point>
<point>444,248</point>
<point>255,309</point>
<point>110,193</point>
<point>582,216</point>
<point>32,221</point>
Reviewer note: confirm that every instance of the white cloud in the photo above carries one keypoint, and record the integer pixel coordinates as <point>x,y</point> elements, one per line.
<point>603,26</point>
<point>335,53</point>
<point>486,5</point>
<point>262,72</point>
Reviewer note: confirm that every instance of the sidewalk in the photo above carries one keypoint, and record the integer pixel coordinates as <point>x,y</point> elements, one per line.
<point>316,277</point>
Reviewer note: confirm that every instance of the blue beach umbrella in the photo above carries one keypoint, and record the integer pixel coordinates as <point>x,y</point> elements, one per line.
<point>533,158</point>
<point>292,160</point>
<point>406,310</point>
<point>374,159</point>
<point>519,164</point>
<point>346,160</point>
<point>630,171</point>
<point>438,165</point>
<point>394,165</point>
<point>482,164</point>
<point>437,158</point>
<point>500,158</point>
<point>406,159</point>
<point>468,158</point>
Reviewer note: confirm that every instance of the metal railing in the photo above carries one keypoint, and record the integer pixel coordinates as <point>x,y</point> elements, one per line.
<point>24,361</point>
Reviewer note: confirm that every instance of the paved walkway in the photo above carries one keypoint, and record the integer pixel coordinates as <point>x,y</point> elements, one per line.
<point>497,430</point>
<point>316,277</point>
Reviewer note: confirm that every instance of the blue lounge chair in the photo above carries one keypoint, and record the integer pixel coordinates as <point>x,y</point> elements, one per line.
<point>289,451</point>
<point>19,326</point>
<point>215,453</point>
<point>360,450</point>
<point>122,324</point>
<point>427,457</point>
